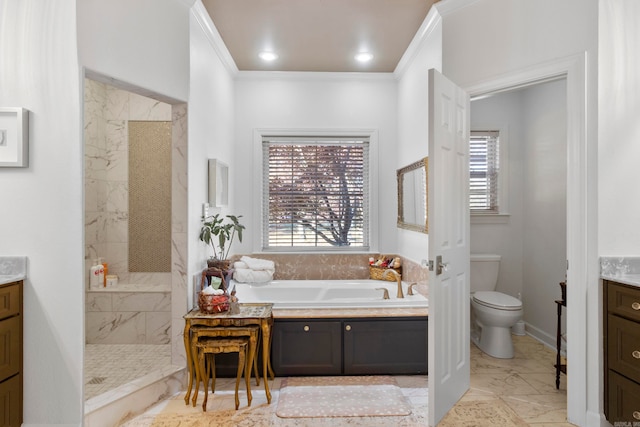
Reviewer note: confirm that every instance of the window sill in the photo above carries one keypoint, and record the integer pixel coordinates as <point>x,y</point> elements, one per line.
<point>501,218</point>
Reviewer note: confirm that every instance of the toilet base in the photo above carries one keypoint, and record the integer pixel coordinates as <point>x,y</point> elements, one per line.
<point>494,341</point>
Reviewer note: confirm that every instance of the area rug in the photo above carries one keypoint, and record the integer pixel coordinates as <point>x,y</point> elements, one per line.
<point>471,413</point>
<point>313,397</point>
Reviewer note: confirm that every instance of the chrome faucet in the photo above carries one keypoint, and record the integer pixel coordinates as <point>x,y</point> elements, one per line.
<point>398,278</point>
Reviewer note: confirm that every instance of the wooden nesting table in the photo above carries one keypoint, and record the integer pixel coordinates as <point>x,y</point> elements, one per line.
<point>250,314</point>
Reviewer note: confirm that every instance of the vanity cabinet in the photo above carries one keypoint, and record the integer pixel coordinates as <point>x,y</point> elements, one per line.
<point>11,354</point>
<point>621,352</point>
<point>357,346</point>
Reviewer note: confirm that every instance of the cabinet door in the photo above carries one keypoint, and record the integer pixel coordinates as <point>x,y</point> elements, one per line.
<point>306,348</point>
<point>11,402</point>
<point>624,399</point>
<point>10,346</point>
<point>624,347</point>
<point>389,346</point>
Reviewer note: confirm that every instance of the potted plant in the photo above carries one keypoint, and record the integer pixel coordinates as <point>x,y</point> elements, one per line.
<point>219,232</point>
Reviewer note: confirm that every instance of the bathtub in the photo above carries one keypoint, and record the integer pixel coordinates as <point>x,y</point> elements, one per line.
<point>295,294</point>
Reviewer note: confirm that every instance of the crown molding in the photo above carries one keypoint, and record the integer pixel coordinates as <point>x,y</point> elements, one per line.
<point>429,24</point>
<point>203,19</point>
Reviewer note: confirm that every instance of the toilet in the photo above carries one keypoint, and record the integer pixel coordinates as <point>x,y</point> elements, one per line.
<point>492,313</point>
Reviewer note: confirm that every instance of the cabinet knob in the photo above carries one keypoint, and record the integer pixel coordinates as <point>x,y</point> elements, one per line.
<point>636,415</point>
<point>306,328</point>
<point>636,306</point>
<point>348,327</point>
<point>636,354</point>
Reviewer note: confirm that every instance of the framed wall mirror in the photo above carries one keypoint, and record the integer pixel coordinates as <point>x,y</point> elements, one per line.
<point>412,196</point>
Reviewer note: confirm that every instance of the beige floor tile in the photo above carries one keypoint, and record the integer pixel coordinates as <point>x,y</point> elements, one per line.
<point>501,384</point>
<point>547,408</point>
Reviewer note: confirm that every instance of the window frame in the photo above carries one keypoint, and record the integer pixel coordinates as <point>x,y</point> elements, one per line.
<point>258,192</point>
<point>502,216</point>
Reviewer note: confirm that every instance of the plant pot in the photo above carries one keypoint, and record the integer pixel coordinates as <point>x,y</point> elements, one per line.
<point>223,264</point>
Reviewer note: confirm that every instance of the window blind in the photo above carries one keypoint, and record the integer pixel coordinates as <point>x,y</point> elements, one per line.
<point>315,193</point>
<point>484,169</point>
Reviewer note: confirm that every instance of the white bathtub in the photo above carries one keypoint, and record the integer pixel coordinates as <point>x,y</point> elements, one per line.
<point>295,294</point>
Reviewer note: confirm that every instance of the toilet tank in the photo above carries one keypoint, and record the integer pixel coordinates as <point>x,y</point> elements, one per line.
<point>484,272</point>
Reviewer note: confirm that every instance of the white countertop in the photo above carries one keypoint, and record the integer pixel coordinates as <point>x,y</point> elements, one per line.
<point>8,278</point>
<point>627,279</point>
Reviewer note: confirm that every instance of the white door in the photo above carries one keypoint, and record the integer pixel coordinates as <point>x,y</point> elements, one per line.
<point>448,245</point>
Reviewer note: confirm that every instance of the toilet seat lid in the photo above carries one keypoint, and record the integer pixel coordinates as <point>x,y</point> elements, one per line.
<point>497,300</point>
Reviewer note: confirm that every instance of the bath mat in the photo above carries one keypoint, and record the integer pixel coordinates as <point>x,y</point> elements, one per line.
<point>312,397</point>
<point>471,413</point>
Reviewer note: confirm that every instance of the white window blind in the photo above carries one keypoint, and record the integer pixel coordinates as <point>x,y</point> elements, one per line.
<point>484,167</point>
<point>315,193</point>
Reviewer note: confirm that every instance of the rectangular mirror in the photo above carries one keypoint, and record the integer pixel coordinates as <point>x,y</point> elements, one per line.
<point>412,196</point>
<point>218,183</point>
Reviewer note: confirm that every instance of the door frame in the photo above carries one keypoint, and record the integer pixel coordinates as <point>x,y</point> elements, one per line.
<point>582,255</point>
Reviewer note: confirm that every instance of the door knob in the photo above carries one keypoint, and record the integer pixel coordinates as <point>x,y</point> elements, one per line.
<point>441,266</point>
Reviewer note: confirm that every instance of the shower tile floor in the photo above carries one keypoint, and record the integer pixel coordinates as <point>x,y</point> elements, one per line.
<point>108,366</point>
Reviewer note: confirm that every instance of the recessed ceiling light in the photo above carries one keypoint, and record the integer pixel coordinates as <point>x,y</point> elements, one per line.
<point>364,57</point>
<point>268,56</point>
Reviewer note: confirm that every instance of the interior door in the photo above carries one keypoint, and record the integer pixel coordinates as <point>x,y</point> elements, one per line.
<point>448,245</point>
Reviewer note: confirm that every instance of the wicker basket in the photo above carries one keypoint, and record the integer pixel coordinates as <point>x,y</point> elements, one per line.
<point>376,273</point>
<point>212,304</point>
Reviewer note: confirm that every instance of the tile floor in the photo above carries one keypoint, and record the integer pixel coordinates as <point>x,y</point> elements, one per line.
<point>525,383</point>
<point>108,366</point>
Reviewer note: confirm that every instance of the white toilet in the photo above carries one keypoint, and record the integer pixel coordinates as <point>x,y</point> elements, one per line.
<point>492,313</point>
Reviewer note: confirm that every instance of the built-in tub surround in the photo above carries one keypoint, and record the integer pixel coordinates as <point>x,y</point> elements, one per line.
<point>300,294</point>
<point>338,267</point>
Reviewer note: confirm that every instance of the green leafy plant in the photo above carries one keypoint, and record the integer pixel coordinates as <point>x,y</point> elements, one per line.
<point>219,231</point>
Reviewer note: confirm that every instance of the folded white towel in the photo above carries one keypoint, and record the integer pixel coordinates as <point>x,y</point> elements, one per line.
<point>240,264</point>
<point>246,275</point>
<point>258,264</point>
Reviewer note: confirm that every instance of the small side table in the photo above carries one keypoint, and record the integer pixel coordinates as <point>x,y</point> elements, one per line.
<point>560,367</point>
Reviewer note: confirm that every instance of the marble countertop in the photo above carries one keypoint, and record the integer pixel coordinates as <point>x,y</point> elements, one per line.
<point>348,312</point>
<point>627,279</point>
<point>8,278</point>
<point>12,268</point>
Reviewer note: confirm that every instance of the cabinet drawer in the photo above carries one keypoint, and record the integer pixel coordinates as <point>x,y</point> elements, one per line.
<point>623,346</point>
<point>624,301</point>
<point>10,346</point>
<point>9,301</point>
<point>624,399</point>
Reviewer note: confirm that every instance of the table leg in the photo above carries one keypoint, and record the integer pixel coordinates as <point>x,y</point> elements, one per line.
<point>187,349</point>
<point>558,346</point>
<point>266,334</point>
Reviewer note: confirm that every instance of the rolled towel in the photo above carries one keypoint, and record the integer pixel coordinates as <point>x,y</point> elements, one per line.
<point>245,275</point>
<point>258,264</point>
<point>239,264</point>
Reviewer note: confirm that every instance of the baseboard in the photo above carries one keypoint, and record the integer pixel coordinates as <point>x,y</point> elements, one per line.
<point>544,338</point>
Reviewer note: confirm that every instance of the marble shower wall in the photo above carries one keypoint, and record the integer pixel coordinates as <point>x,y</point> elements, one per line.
<point>107,111</point>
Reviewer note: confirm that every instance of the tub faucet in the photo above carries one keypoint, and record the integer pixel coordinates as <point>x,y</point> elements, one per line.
<point>398,278</point>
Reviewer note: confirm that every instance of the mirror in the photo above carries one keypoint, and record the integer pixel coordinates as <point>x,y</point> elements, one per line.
<point>412,196</point>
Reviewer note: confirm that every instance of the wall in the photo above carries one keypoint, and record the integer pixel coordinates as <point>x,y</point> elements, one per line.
<point>311,102</point>
<point>42,204</point>
<point>544,206</point>
<point>619,129</point>
<point>413,114</point>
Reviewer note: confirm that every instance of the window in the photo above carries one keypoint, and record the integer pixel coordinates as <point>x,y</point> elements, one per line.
<point>484,169</point>
<point>315,193</point>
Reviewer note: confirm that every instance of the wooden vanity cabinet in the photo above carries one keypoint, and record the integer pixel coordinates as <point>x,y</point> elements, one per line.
<point>621,352</point>
<point>357,346</point>
<point>11,354</point>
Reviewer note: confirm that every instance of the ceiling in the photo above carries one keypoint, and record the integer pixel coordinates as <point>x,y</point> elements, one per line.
<point>317,35</point>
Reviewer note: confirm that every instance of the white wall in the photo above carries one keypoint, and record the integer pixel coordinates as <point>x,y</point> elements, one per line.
<point>413,119</point>
<point>314,102</point>
<point>544,206</point>
<point>211,118</point>
<point>42,205</point>
<point>619,128</point>
<point>144,43</point>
